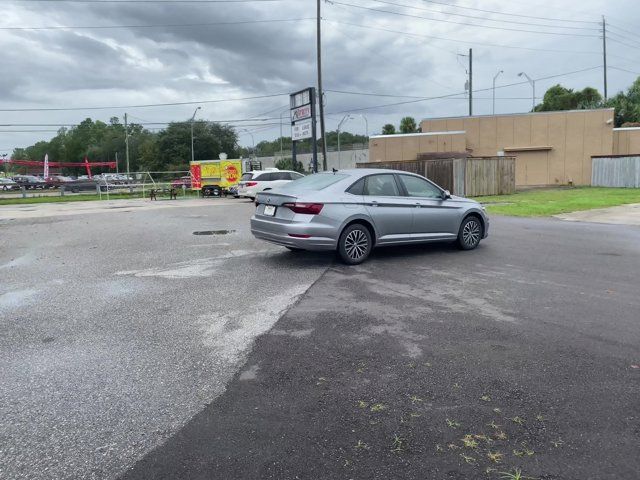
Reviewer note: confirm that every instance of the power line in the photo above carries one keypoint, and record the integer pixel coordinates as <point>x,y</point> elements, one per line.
<point>623,37</point>
<point>621,29</point>
<point>625,44</point>
<point>66,109</point>
<point>334,2</point>
<point>474,17</point>
<point>153,128</point>
<point>369,94</point>
<point>509,14</point>
<point>464,42</point>
<point>385,58</point>
<point>463,93</point>
<point>624,59</point>
<point>168,25</point>
<point>142,122</point>
<point>624,70</point>
<point>142,1</point>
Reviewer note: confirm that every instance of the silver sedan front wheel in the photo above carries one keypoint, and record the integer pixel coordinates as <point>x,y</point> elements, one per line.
<point>470,233</point>
<point>355,244</point>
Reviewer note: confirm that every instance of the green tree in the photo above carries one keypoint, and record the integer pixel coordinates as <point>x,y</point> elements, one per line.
<point>346,138</point>
<point>559,98</point>
<point>627,105</point>
<point>388,129</point>
<point>210,139</point>
<point>19,154</point>
<point>408,125</point>
<point>289,164</point>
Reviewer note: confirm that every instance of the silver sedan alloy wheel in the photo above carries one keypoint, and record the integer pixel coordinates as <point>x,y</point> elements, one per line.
<point>471,233</point>
<point>356,244</point>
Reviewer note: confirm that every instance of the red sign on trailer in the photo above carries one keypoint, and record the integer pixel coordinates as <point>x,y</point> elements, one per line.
<point>196,176</point>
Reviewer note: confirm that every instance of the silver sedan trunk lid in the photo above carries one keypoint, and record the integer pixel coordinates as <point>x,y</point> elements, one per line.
<point>272,198</point>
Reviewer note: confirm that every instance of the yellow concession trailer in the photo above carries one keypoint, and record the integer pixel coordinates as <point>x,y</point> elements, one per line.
<point>214,177</point>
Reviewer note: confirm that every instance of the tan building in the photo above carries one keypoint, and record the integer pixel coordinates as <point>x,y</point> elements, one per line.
<point>551,148</point>
<point>626,141</point>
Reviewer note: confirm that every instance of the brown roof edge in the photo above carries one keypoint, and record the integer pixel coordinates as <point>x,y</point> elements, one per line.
<point>441,155</point>
<point>616,156</point>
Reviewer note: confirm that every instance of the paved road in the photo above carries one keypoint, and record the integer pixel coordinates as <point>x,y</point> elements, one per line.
<point>118,325</point>
<point>126,350</point>
<point>431,363</point>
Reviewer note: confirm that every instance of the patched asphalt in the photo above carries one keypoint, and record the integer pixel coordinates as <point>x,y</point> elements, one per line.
<point>430,363</point>
<point>118,325</point>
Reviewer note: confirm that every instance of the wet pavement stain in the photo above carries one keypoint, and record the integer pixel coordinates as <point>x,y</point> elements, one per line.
<point>214,232</point>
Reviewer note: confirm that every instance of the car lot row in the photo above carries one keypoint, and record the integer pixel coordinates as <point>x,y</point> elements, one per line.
<point>83,182</point>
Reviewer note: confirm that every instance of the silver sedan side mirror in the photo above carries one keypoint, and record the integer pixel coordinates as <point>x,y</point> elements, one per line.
<point>446,194</point>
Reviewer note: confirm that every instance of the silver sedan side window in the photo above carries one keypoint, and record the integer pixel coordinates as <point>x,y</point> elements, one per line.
<point>418,187</point>
<point>383,185</point>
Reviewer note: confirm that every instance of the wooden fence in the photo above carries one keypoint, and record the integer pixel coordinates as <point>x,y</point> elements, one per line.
<point>469,176</point>
<point>616,171</point>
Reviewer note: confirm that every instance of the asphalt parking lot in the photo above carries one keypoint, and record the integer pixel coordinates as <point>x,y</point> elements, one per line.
<point>128,351</point>
<point>119,324</point>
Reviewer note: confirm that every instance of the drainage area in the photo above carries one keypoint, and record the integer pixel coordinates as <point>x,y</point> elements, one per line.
<point>214,232</point>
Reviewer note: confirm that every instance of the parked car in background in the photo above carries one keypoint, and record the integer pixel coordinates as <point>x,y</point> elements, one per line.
<point>29,182</point>
<point>8,184</point>
<point>353,211</point>
<point>56,181</point>
<point>182,181</point>
<point>252,183</point>
<point>124,179</point>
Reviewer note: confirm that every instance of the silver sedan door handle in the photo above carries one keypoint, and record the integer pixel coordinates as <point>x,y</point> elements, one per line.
<point>418,205</point>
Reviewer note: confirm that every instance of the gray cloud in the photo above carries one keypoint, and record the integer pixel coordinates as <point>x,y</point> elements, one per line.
<point>172,64</point>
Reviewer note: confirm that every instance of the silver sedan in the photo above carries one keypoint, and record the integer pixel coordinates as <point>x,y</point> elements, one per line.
<point>353,211</point>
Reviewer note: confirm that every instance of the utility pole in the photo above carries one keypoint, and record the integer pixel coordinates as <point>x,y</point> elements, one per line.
<point>604,53</point>
<point>126,143</point>
<point>320,94</point>
<point>193,117</point>
<point>471,82</point>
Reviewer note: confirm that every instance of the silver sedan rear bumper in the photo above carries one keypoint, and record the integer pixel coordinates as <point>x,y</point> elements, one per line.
<point>281,234</point>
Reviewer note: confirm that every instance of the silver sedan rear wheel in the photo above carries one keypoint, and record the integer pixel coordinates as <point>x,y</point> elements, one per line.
<point>470,233</point>
<point>355,244</point>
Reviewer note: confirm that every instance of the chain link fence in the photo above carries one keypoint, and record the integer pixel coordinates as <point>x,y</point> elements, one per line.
<point>151,185</point>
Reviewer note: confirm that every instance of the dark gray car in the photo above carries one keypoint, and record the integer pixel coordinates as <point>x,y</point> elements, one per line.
<point>353,211</point>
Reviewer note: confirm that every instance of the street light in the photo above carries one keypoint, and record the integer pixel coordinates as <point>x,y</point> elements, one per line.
<point>494,90</point>
<point>533,85</point>
<point>192,119</point>
<point>252,140</point>
<point>344,119</point>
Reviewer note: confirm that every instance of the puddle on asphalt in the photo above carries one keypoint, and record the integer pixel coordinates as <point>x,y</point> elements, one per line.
<point>214,232</point>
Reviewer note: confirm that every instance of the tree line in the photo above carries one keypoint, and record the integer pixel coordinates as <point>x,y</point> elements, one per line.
<point>170,147</point>
<point>559,98</point>
<point>166,150</point>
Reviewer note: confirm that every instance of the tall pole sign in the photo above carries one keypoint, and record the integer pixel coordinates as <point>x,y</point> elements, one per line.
<point>303,122</point>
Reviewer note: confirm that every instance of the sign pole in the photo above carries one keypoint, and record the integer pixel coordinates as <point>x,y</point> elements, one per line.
<point>303,122</point>
<point>294,153</point>
<point>314,135</point>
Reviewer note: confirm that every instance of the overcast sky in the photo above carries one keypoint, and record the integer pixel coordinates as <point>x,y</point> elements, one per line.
<point>363,51</point>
